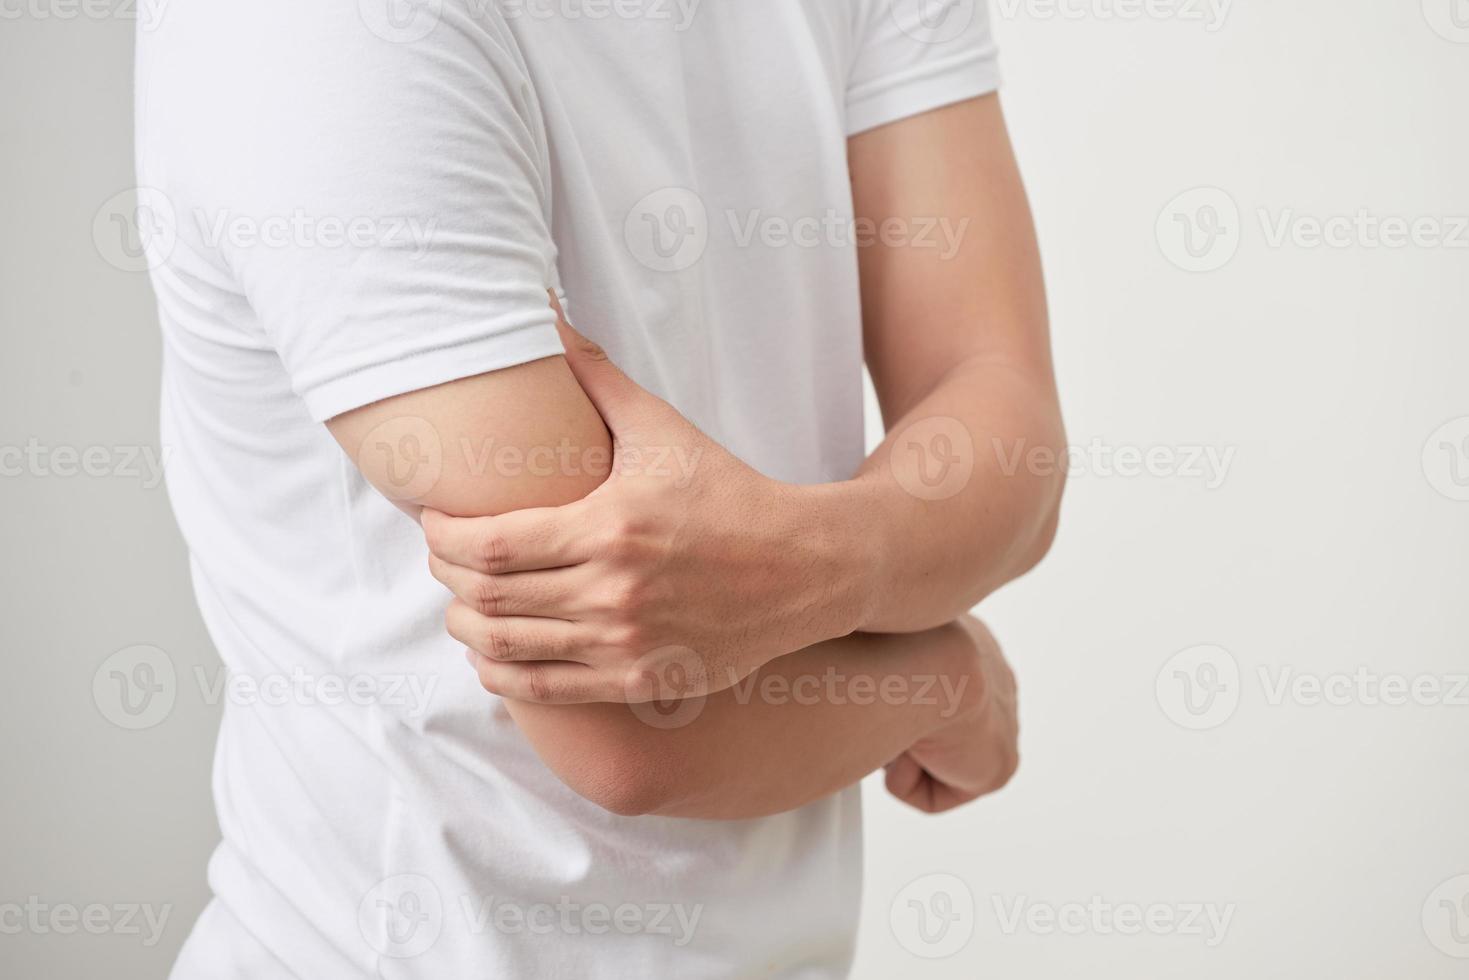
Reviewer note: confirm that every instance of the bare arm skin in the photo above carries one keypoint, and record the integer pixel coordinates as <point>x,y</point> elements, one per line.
<point>801,728</point>
<point>745,752</point>
<point>963,338</point>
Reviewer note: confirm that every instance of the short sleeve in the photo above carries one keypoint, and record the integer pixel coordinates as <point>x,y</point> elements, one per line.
<point>911,56</point>
<point>377,190</point>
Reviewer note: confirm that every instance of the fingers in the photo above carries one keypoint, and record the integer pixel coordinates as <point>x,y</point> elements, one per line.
<point>518,541</point>
<point>904,777</point>
<point>528,658</point>
<point>542,683</point>
<point>909,782</point>
<point>555,593</point>
<point>545,682</point>
<point>512,639</point>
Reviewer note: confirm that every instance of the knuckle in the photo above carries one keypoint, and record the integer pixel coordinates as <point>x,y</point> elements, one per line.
<point>489,596</point>
<point>433,533</point>
<point>494,552</point>
<point>623,535</point>
<point>628,635</point>
<point>538,685</point>
<point>626,595</point>
<point>498,644</point>
<point>490,681</point>
<point>639,684</point>
<point>609,543</point>
<point>454,623</point>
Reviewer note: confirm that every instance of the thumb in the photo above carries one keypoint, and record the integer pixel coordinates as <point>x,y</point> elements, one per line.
<point>903,776</point>
<point>612,392</point>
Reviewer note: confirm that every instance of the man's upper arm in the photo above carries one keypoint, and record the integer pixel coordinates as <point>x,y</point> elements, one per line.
<point>508,440</point>
<point>384,210</point>
<point>962,278</point>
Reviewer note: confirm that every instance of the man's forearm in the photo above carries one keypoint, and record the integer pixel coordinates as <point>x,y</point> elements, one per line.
<point>803,727</point>
<point>953,504</point>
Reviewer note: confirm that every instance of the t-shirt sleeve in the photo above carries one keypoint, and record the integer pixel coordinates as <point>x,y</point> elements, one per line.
<point>911,56</point>
<point>383,204</point>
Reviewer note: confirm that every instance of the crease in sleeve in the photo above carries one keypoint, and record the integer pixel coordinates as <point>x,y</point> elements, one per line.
<point>898,95</point>
<point>491,350</point>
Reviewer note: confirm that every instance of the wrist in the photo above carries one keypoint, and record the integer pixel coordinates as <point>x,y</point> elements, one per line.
<point>962,654</point>
<point>843,524</point>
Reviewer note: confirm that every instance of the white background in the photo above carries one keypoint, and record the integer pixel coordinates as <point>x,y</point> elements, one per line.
<point>1331,546</point>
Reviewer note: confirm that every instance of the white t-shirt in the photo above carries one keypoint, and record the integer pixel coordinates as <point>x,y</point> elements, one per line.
<point>351,199</point>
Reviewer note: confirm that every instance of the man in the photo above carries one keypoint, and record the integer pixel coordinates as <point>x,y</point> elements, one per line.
<point>653,523</point>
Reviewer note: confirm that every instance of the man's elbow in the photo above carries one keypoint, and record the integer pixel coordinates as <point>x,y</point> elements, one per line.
<point>604,754</point>
<point>1044,537</point>
<point>628,784</point>
<point>1035,505</point>
<point>626,800</point>
<point>1034,537</point>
